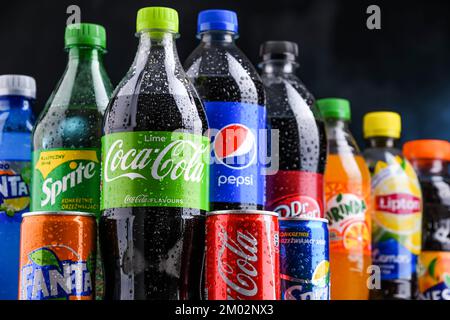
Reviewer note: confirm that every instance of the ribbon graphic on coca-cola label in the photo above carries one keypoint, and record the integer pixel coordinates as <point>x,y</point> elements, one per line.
<point>240,278</point>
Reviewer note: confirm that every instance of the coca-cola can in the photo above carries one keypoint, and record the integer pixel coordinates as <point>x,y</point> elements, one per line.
<point>242,255</point>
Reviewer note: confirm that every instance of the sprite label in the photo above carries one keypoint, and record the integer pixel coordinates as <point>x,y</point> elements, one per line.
<point>66,180</point>
<point>155,169</point>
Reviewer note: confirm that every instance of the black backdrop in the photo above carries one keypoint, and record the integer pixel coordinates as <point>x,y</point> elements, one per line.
<point>405,66</point>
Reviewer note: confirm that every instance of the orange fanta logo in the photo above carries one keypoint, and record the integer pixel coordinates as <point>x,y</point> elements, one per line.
<point>47,277</point>
<point>14,193</point>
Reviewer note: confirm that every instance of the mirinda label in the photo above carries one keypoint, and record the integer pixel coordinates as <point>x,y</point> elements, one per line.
<point>434,275</point>
<point>346,208</point>
<point>397,218</point>
<point>295,194</point>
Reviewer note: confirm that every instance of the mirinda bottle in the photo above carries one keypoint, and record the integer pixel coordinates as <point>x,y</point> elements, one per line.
<point>347,203</point>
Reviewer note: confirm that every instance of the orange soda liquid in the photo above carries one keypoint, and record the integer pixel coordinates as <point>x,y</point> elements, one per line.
<point>347,198</point>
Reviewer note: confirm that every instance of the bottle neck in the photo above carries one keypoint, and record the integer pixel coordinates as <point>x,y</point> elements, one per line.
<point>157,48</point>
<point>430,166</point>
<point>278,67</point>
<point>85,54</point>
<point>218,37</point>
<point>336,124</point>
<point>340,139</point>
<point>381,142</point>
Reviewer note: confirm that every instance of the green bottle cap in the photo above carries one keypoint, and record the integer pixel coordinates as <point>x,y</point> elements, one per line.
<point>87,34</point>
<point>161,18</point>
<point>334,108</point>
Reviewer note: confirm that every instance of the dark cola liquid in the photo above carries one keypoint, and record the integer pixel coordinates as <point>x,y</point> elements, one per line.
<point>291,110</point>
<point>302,145</point>
<point>243,89</point>
<point>153,252</point>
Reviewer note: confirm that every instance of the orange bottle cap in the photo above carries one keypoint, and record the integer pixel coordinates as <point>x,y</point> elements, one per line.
<point>427,149</point>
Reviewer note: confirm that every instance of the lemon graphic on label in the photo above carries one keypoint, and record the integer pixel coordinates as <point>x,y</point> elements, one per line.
<point>321,274</point>
<point>395,223</point>
<point>73,165</point>
<point>414,242</point>
<point>12,205</point>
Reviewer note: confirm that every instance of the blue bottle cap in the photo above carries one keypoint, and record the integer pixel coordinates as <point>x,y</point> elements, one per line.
<point>222,20</point>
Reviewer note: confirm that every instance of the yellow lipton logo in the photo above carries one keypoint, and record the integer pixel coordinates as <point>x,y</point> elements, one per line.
<point>49,160</point>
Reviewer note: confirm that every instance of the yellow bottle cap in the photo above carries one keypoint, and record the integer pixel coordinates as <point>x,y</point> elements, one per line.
<point>382,124</point>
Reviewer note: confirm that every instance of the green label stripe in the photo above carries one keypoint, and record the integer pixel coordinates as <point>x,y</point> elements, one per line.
<point>155,169</point>
<point>66,180</point>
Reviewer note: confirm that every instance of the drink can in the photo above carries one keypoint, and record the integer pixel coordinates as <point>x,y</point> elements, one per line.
<point>57,256</point>
<point>242,255</point>
<point>304,259</point>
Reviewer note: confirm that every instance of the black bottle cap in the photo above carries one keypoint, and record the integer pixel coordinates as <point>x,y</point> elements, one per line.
<point>278,50</point>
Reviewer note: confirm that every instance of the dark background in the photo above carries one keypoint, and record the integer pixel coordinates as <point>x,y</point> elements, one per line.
<point>402,67</point>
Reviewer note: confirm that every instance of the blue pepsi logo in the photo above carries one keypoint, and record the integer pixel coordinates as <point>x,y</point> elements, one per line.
<point>235,146</point>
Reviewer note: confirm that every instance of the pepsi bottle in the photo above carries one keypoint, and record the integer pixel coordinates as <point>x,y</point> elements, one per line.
<point>234,100</point>
<point>295,185</point>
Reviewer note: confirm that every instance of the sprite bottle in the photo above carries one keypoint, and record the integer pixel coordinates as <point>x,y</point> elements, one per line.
<point>66,139</point>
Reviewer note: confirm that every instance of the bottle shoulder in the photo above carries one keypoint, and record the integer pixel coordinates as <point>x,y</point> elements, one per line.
<point>224,73</point>
<point>82,85</point>
<point>16,114</point>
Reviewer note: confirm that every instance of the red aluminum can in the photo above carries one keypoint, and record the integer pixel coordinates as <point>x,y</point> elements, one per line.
<point>242,255</point>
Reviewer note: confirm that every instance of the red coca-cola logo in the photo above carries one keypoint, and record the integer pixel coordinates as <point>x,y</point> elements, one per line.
<point>399,203</point>
<point>237,264</point>
<point>296,206</point>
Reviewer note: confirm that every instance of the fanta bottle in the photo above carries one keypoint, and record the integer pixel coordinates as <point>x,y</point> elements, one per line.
<point>430,159</point>
<point>397,209</point>
<point>347,203</point>
<point>17,94</point>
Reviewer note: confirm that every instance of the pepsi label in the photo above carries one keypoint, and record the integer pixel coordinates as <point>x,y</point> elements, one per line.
<point>238,145</point>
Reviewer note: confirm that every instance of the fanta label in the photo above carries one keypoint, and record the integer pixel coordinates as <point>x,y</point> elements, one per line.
<point>66,180</point>
<point>238,147</point>
<point>397,218</point>
<point>47,277</point>
<point>14,189</point>
<point>295,194</point>
<point>434,275</point>
<point>155,169</point>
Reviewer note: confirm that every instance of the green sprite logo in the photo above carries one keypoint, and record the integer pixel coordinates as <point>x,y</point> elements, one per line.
<point>153,168</point>
<point>52,189</point>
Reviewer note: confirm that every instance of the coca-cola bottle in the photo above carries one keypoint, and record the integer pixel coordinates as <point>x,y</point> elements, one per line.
<point>295,185</point>
<point>154,173</point>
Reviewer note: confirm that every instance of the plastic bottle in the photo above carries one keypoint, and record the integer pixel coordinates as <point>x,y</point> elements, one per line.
<point>397,208</point>
<point>430,159</point>
<point>347,198</point>
<point>17,95</point>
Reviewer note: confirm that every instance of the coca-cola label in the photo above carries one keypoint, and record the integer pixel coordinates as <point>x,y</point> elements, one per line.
<point>241,276</point>
<point>398,203</point>
<point>295,194</point>
<point>155,169</point>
